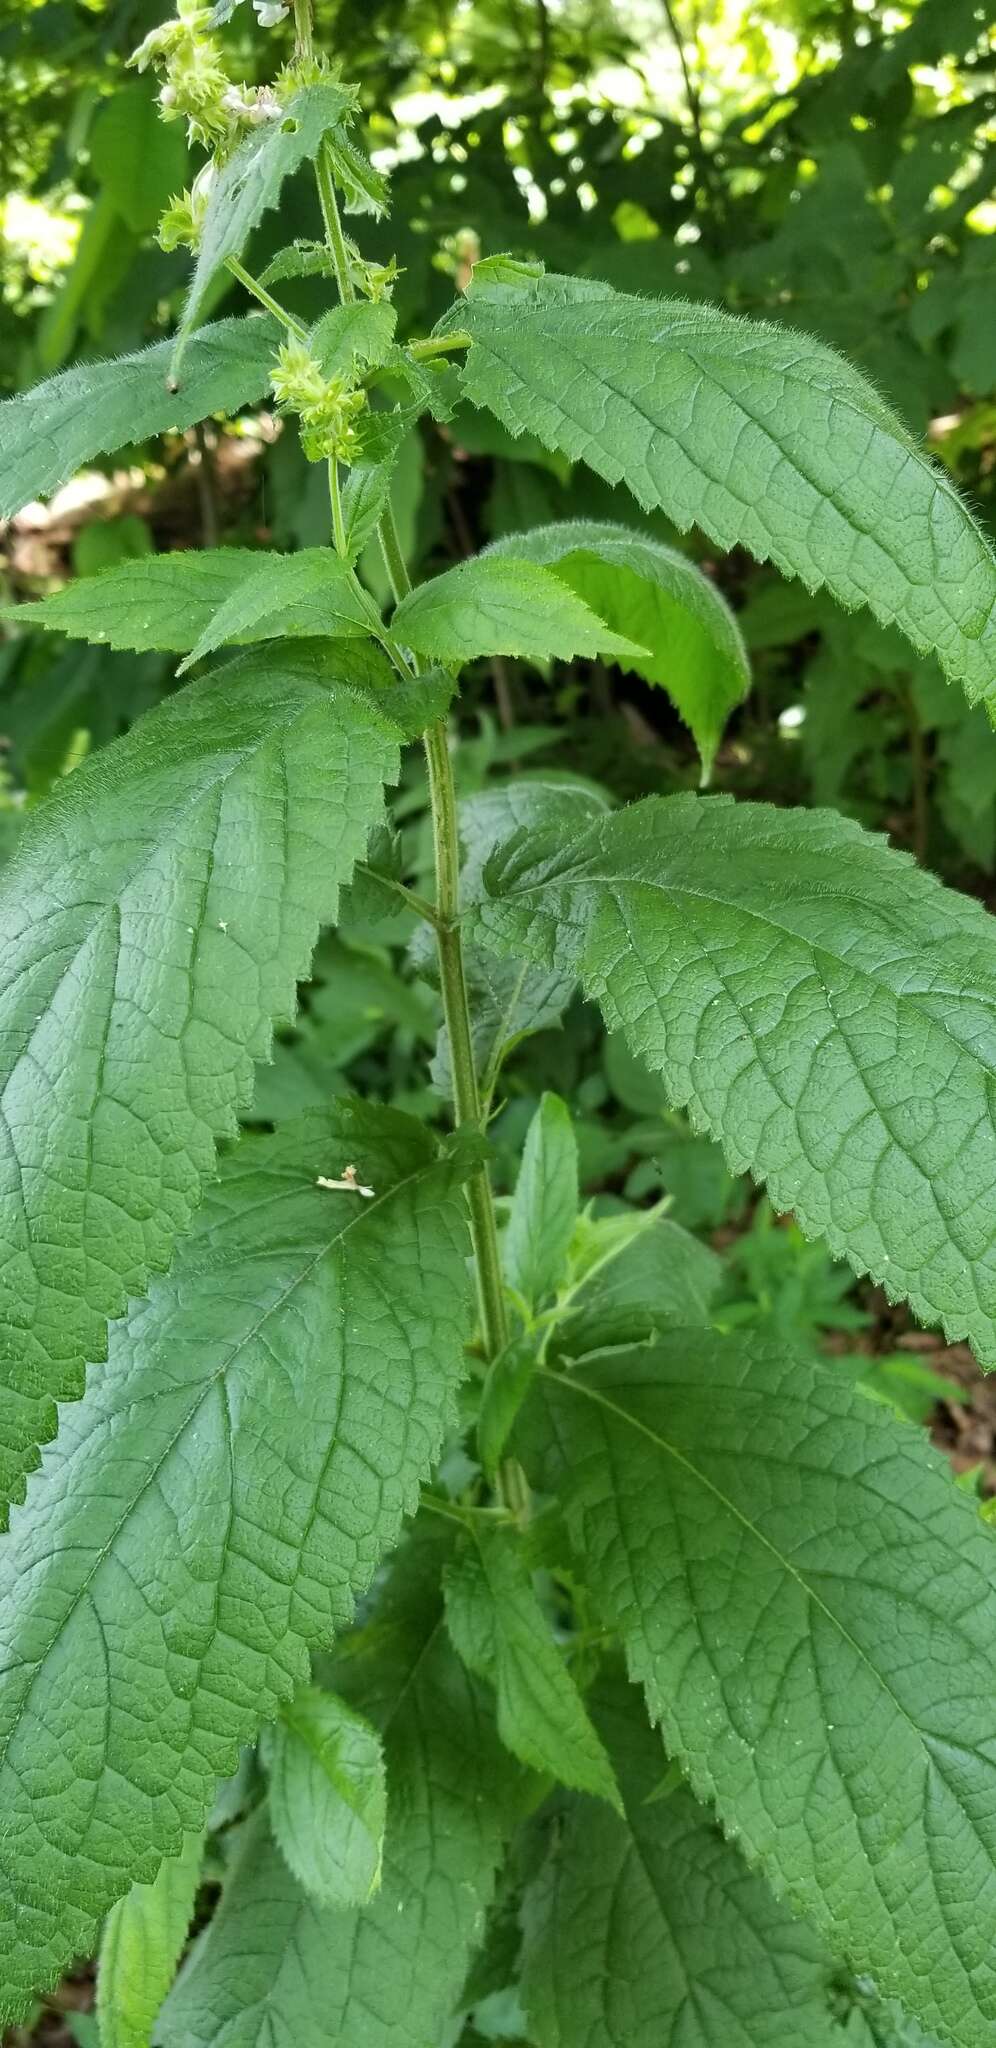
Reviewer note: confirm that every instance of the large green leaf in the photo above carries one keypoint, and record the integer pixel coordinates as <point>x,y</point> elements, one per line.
<point>494,606</point>
<point>275,1967</point>
<point>48,433</point>
<point>143,1939</point>
<point>819,1003</point>
<point>757,434</point>
<point>192,603</point>
<point>662,601</point>
<point>214,1504</point>
<point>163,903</point>
<point>808,1601</point>
<point>250,181</point>
<point>647,1930</point>
<point>500,1630</point>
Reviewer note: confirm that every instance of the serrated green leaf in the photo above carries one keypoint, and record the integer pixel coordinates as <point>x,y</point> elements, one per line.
<point>328,1798</point>
<point>163,904</point>
<point>758,434</point>
<point>213,1506</point>
<point>495,606</point>
<point>365,495</point>
<point>283,596</point>
<point>139,158</point>
<point>500,1630</point>
<point>48,433</point>
<point>299,259</point>
<point>178,601</point>
<point>140,1947</point>
<point>250,181</point>
<point>648,1931</point>
<point>808,1602</point>
<point>544,1206</point>
<point>660,599</point>
<point>358,332</point>
<point>820,1005</point>
<point>364,190</point>
<point>276,1965</point>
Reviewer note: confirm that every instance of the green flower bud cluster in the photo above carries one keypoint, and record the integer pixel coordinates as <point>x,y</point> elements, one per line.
<point>196,88</point>
<point>327,407</point>
<point>188,57</point>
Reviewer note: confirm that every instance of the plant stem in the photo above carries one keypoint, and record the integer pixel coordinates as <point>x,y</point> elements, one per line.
<point>260,292</point>
<point>302,28</point>
<point>335,496</point>
<point>466,1095</point>
<point>442,796</point>
<point>333,227</point>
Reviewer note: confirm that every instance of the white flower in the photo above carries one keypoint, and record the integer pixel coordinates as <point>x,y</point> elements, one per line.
<point>236,102</point>
<point>267,107</point>
<point>269,12</point>
<point>167,97</point>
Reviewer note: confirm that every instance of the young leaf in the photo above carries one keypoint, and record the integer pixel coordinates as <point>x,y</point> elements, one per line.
<point>660,599</point>
<point>213,1506</point>
<point>361,332</point>
<point>544,1206</point>
<point>501,1632</point>
<point>510,999</point>
<point>758,434</point>
<point>163,903</point>
<point>328,1798</point>
<point>646,1930</point>
<point>663,1276</point>
<point>250,181</point>
<point>288,596</point>
<point>821,1006</point>
<point>179,601</point>
<point>140,1947</point>
<point>48,433</point>
<point>494,606</point>
<point>274,1965</point>
<point>808,1602</point>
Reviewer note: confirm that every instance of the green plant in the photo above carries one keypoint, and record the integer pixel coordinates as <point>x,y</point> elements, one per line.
<point>286,1363</point>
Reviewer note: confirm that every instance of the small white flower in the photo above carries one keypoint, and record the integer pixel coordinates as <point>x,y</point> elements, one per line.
<point>269,12</point>
<point>167,97</point>
<point>235,102</point>
<point>267,107</point>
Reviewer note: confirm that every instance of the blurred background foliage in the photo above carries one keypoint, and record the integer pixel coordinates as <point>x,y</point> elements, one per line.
<point>827,164</point>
